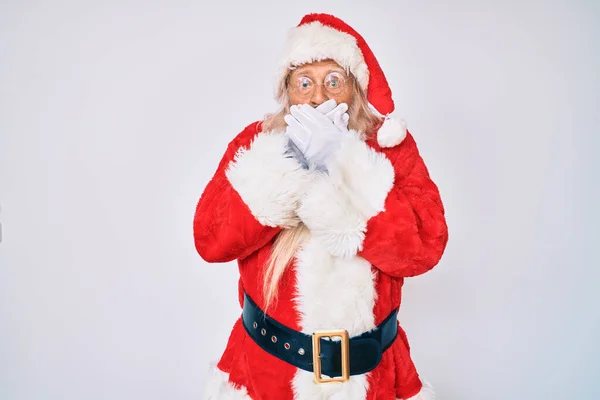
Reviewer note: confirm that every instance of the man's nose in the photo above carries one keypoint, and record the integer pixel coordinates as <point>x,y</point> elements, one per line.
<point>319,96</point>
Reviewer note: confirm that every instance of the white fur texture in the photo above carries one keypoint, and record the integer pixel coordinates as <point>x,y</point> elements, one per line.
<point>338,205</point>
<point>333,293</point>
<point>217,387</point>
<point>392,132</point>
<point>426,392</point>
<point>268,181</point>
<point>315,41</point>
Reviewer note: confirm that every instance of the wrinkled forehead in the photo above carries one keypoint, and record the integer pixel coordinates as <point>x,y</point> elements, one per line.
<point>319,68</point>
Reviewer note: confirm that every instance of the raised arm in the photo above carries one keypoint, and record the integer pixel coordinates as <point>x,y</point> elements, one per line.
<point>381,205</point>
<point>251,197</point>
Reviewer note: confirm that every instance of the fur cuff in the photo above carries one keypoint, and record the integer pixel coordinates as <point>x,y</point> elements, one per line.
<point>426,392</point>
<point>218,387</point>
<point>269,180</point>
<point>338,206</point>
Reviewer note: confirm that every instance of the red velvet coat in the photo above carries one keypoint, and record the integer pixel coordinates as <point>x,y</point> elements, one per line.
<point>375,219</point>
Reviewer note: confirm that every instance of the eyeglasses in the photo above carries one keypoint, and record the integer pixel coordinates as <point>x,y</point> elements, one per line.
<point>334,83</point>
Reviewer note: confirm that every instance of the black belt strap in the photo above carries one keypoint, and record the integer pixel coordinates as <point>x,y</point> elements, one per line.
<point>296,348</point>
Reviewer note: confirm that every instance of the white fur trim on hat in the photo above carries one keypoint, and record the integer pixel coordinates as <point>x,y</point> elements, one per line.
<point>315,41</point>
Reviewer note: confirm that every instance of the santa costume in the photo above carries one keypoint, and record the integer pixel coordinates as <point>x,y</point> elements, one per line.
<point>375,218</point>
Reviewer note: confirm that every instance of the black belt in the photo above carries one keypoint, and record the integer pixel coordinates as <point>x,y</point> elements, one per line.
<point>337,359</point>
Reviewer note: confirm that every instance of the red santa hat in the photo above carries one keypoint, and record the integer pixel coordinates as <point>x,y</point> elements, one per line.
<point>323,36</point>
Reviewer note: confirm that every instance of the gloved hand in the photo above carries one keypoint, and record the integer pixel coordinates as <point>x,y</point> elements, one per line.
<point>333,112</point>
<point>337,113</point>
<point>316,135</point>
<point>326,107</point>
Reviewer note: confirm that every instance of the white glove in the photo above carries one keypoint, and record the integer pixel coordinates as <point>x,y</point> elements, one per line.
<point>338,114</point>
<point>316,135</point>
<point>327,108</point>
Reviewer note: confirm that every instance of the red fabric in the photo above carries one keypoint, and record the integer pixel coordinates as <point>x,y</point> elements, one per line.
<point>405,240</point>
<point>414,218</point>
<point>224,228</point>
<point>379,93</point>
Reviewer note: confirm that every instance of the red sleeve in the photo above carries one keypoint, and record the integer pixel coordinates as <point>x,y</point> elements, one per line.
<point>410,236</point>
<point>253,195</point>
<point>379,204</point>
<point>224,227</point>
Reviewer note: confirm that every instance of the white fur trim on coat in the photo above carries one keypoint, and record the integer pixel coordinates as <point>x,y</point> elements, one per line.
<point>332,293</point>
<point>218,387</point>
<point>426,392</point>
<point>268,180</point>
<point>316,41</point>
<point>338,205</point>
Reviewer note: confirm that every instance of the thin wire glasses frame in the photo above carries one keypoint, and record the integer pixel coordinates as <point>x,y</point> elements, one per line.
<point>334,83</point>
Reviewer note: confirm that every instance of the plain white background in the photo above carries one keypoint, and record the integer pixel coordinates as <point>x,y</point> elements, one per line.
<point>113,116</point>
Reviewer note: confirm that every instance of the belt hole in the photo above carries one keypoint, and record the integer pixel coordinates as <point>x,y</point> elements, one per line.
<point>255,325</point>
<point>287,346</point>
<point>274,339</point>
<point>263,331</point>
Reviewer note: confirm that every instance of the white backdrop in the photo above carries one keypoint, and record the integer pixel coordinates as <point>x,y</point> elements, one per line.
<point>114,114</point>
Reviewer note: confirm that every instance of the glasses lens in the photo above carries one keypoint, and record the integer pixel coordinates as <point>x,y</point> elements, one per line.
<point>304,85</point>
<point>335,82</point>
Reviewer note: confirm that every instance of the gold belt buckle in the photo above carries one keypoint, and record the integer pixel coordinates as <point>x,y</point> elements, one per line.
<point>316,348</point>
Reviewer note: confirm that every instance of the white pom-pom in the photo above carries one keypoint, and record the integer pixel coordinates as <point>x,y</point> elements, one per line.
<point>392,132</point>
